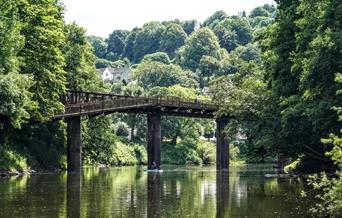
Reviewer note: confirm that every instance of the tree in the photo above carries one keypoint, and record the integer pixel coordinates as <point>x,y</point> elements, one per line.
<point>233,31</point>
<point>217,17</point>
<point>99,46</point>
<point>147,40</point>
<point>208,66</point>
<point>248,53</point>
<point>15,98</point>
<point>189,26</point>
<point>129,44</point>
<point>79,60</point>
<point>116,44</point>
<point>300,53</point>
<point>161,57</point>
<point>202,42</point>
<point>151,74</point>
<point>172,38</point>
<point>263,11</point>
<point>41,55</point>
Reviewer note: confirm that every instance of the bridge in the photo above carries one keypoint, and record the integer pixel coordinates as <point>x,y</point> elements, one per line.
<point>77,104</point>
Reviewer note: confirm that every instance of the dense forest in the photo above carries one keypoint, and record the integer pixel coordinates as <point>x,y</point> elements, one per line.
<point>276,72</point>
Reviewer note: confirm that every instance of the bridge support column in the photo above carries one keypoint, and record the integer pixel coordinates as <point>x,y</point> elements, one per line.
<point>74,143</point>
<point>222,146</point>
<point>153,141</point>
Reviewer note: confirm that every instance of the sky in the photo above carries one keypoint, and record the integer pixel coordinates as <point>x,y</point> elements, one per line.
<point>101,17</point>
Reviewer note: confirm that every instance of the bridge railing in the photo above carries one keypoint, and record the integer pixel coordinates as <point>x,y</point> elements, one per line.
<point>85,102</point>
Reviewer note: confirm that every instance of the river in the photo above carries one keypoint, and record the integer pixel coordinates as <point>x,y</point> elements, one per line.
<point>176,192</point>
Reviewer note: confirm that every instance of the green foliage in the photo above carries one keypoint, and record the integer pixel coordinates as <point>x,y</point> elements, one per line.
<point>121,129</point>
<point>208,66</point>
<point>301,53</point>
<point>189,26</point>
<point>79,60</point>
<point>15,98</point>
<point>330,198</point>
<point>217,17</point>
<point>116,44</point>
<point>248,53</point>
<point>207,152</point>
<point>99,46</point>
<point>263,11</point>
<point>172,38</point>
<point>151,74</point>
<point>202,42</point>
<point>147,40</point>
<point>11,161</point>
<point>233,32</point>
<point>161,57</point>
<point>41,55</point>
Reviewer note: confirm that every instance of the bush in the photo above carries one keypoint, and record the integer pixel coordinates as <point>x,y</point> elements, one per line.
<point>330,189</point>
<point>207,152</point>
<point>11,160</point>
<point>121,129</point>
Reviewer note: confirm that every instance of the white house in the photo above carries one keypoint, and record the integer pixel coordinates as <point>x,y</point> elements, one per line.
<point>114,75</point>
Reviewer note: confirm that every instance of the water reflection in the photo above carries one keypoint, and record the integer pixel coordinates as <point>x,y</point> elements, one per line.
<point>74,195</point>
<point>154,195</point>
<point>132,192</point>
<point>222,194</point>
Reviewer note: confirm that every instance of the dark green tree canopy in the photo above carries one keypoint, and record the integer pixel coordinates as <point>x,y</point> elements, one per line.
<point>161,57</point>
<point>233,31</point>
<point>172,38</point>
<point>147,40</point>
<point>217,17</point>
<point>116,43</point>
<point>99,46</point>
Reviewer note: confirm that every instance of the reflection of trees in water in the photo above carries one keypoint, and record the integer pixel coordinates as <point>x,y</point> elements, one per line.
<point>253,194</point>
<point>33,196</point>
<point>114,192</point>
<point>131,192</point>
<point>190,194</point>
<point>154,195</point>
<point>222,195</point>
<point>74,195</point>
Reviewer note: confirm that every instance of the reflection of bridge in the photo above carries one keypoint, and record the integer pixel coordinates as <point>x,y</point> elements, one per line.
<point>94,104</point>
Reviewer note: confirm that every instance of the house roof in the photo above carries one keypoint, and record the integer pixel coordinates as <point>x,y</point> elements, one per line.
<point>114,71</point>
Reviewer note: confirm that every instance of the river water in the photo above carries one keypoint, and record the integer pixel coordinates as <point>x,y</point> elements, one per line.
<point>176,192</point>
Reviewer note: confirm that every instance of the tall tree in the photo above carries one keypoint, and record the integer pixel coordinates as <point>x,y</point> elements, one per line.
<point>15,99</point>
<point>202,42</point>
<point>99,46</point>
<point>233,31</point>
<point>79,60</point>
<point>116,44</point>
<point>172,38</point>
<point>217,17</point>
<point>41,55</point>
<point>147,40</point>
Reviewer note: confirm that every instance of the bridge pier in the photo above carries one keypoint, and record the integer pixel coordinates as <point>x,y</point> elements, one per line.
<point>153,140</point>
<point>74,143</point>
<point>222,146</point>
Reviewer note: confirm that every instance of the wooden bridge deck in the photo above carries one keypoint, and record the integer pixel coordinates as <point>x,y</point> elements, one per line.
<point>92,104</point>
